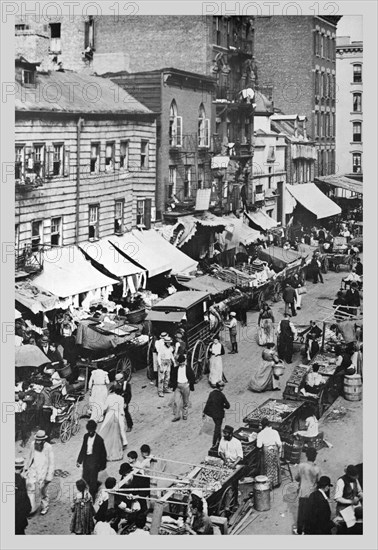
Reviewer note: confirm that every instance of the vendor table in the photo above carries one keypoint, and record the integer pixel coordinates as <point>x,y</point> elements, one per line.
<point>283,416</point>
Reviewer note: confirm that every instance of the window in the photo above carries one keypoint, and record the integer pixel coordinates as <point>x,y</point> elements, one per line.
<point>144,213</point>
<point>172,181</point>
<point>55,232</point>
<point>93,228</point>
<point>55,43</point>
<point>17,237</point>
<point>357,131</point>
<point>58,152</point>
<point>124,155</point>
<point>95,158</point>
<point>188,181</point>
<point>324,85</point>
<point>326,125</point>
<point>36,235</point>
<point>203,128</point>
<point>270,213</point>
<point>357,103</point>
<point>21,27</point>
<point>217,30</point>
<point>317,83</point>
<point>118,216</point>
<point>175,126</point>
<point>201,176</point>
<point>321,126</point>
<point>144,154</point>
<point>316,43</point>
<point>357,72</point>
<point>89,33</point>
<point>39,159</point>
<point>316,124</point>
<point>19,162</point>
<point>357,164</point>
<point>259,189</point>
<point>109,156</point>
<point>28,77</point>
<point>322,38</point>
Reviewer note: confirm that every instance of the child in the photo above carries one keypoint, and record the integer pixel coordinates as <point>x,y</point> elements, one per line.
<point>83,512</point>
<point>104,527</point>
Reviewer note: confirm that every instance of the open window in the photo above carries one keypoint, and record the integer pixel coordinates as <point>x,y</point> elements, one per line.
<point>55,38</point>
<point>175,126</point>
<point>143,217</point>
<point>144,154</point>
<point>203,128</point>
<point>36,235</point>
<point>19,167</point>
<point>118,216</point>
<point>109,156</point>
<point>95,158</point>
<point>56,232</point>
<point>93,225</point>
<point>124,155</point>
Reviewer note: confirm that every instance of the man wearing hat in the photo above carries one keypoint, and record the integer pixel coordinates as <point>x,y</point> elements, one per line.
<point>230,448</point>
<point>286,334</point>
<point>182,379</point>
<point>232,326</point>
<point>318,516</point>
<point>159,343</point>
<point>215,406</point>
<point>44,345</point>
<point>125,388</point>
<point>40,471</point>
<point>348,493</point>
<point>92,456</point>
<point>22,501</point>
<point>166,361</point>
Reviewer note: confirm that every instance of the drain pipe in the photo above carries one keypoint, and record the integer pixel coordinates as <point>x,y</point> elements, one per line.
<point>79,127</point>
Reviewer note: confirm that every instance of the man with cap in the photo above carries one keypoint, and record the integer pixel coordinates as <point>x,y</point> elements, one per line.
<point>318,517</point>
<point>44,345</point>
<point>230,448</point>
<point>232,326</point>
<point>348,492</point>
<point>158,344</point>
<point>182,379</point>
<point>290,297</point>
<point>215,406</point>
<point>40,471</point>
<point>125,388</point>
<point>166,361</point>
<point>92,456</point>
<point>22,501</point>
<point>286,333</point>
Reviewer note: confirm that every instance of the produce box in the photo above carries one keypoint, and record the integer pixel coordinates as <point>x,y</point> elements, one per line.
<point>276,411</point>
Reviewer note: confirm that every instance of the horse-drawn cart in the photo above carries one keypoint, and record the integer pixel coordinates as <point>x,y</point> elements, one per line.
<point>189,310</point>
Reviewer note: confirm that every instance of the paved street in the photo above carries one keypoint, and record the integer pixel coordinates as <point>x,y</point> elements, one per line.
<point>183,441</point>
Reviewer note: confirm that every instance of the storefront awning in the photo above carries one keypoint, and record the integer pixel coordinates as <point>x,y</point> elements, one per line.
<point>67,273</point>
<point>310,196</point>
<point>152,252</point>
<point>261,220</point>
<point>237,233</point>
<point>103,252</point>
<point>342,181</point>
<point>33,298</point>
<point>219,162</point>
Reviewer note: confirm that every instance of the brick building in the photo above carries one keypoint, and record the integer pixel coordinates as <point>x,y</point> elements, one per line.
<point>349,96</point>
<point>297,56</point>
<point>84,162</point>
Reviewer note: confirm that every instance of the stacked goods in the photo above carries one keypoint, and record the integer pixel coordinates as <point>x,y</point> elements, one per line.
<point>298,374</point>
<point>274,411</point>
<point>213,479</point>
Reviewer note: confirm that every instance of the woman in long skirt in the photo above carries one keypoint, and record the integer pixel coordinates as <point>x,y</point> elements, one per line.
<point>83,511</point>
<point>98,392</point>
<point>264,379</point>
<point>216,366</point>
<point>113,429</point>
<point>266,326</point>
<point>270,442</point>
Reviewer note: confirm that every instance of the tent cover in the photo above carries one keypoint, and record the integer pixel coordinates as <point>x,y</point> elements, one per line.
<point>208,284</point>
<point>310,196</point>
<point>260,219</point>
<point>104,253</point>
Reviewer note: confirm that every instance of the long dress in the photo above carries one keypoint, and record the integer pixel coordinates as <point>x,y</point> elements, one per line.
<point>82,518</point>
<point>216,366</point>
<point>113,429</point>
<point>265,330</point>
<point>99,392</point>
<point>263,379</point>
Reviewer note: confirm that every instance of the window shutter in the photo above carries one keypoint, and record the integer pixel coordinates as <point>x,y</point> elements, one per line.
<point>49,161</point>
<point>66,166</point>
<point>179,131</point>
<point>147,213</point>
<point>207,132</point>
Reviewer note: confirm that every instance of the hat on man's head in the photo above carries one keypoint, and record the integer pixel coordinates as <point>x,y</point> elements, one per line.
<point>351,471</point>
<point>40,435</point>
<point>163,334</point>
<point>91,425</point>
<point>19,463</point>
<point>228,428</point>
<point>167,339</point>
<point>45,339</point>
<point>324,481</point>
<point>232,314</point>
<point>119,376</point>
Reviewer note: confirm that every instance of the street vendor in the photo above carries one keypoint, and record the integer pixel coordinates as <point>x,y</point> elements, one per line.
<point>348,492</point>
<point>311,348</point>
<point>232,326</point>
<point>344,366</point>
<point>314,381</point>
<point>311,422</point>
<point>198,522</point>
<point>270,442</point>
<point>166,361</point>
<point>230,449</point>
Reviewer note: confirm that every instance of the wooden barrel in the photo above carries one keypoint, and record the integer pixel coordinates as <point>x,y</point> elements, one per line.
<point>262,493</point>
<point>292,451</point>
<point>353,387</point>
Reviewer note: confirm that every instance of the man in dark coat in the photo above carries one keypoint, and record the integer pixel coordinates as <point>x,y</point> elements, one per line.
<point>353,299</point>
<point>92,456</point>
<point>318,516</point>
<point>182,381</point>
<point>290,297</point>
<point>125,388</point>
<point>22,501</point>
<point>214,408</point>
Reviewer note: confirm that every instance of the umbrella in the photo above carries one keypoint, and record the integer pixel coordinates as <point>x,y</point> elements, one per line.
<point>30,356</point>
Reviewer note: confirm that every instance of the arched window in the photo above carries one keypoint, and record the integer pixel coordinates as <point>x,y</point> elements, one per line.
<point>357,131</point>
<point>357,163</point>
<point>357,102</point>
<point>175,126</point>
<point>357,72</point>
<point>203,128</point>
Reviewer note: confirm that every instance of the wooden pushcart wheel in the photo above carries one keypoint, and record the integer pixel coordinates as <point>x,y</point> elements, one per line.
<point>65,431</point>
<point>124,365</point>
<point>75,424</point>
<point>227,502</point>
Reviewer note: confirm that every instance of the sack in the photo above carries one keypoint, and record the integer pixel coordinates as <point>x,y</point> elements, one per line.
<point>302,290</point>
<point>207,426</point>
